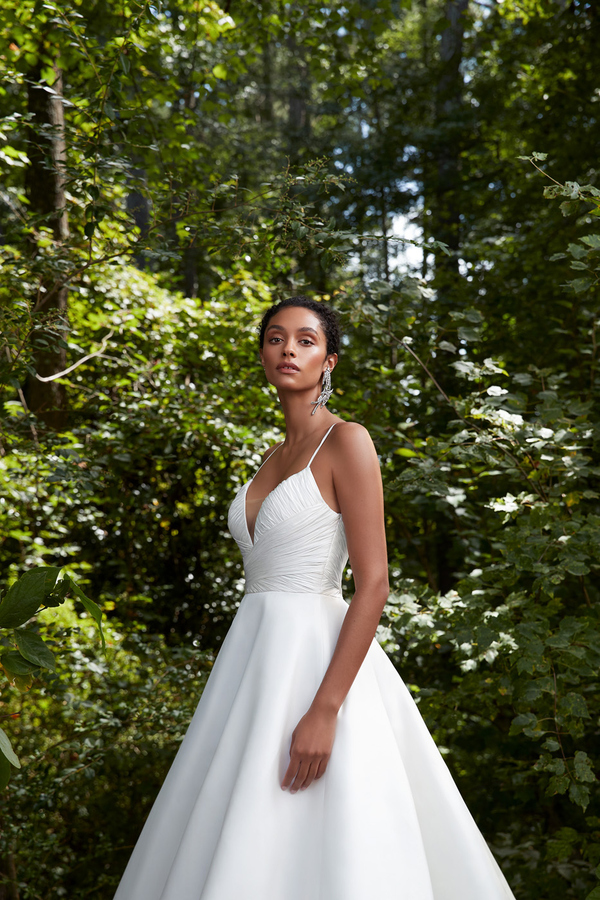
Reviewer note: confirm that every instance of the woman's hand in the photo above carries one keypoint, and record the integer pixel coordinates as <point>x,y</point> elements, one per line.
<point>312,742</point>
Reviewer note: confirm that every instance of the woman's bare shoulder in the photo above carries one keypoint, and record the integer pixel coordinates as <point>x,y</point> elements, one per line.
<point>352,446</point>
<point>351,435</point>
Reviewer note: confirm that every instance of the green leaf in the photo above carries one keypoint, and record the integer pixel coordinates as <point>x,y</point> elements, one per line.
<point>33,648</point>
<point>466,333</point>
<point>592,240</point>
<point>220,71</point>
<point>573,704</point>
<point>7,750</point>
<point>14,664</point>
<point>577,251</point>
<point>523,722</point>
<point>23,682</point>
<point>381,287</point>
<point>555,765</point>
<point>594,895</point>
<point>93,609</point>
<point>579,794</point>
<point>569,206</point>
<point>576,567</point>
<point>580,285</point>
<point>48,75</point>
<point>447,345</point>
<point>26,595</point>
<point>558,784</point>
<point>4,771</point>
<point>57,596</point>
<point>583,767</point>
<point>561,845</point>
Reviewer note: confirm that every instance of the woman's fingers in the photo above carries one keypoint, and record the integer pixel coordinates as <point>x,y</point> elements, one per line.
<point>310,749</point>
<point>300,776</point>
<point>310,774</point>
<point>301,773</point>
<point>321,768</point>
<point>290,773</point>
<point>296,773</point>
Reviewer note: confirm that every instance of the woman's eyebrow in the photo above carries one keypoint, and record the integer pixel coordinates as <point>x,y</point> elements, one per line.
<point>302,328</point>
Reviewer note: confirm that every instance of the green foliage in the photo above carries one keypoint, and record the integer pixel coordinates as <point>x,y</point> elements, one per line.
<point>215,161</point>
<point>36,588</point>
<point>519,625</point>
<point>111,727</point>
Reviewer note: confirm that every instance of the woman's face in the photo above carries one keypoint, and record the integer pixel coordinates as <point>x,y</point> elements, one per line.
<point>294,352</point>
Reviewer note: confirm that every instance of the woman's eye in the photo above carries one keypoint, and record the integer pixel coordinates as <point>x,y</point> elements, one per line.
<point>277,340</point>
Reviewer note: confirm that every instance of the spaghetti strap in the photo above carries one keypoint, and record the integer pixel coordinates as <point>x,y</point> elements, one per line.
<point>281,444</point>
<point>265,460</point>
<point>321,444</point>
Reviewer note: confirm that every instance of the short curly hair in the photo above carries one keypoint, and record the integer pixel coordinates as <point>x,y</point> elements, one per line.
<point>327,316</point>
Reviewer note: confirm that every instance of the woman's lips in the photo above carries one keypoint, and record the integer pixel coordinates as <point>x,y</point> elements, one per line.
<point>288,369</point>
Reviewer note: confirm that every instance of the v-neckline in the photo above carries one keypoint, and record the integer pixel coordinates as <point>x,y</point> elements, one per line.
<point>307,466</point>
<point>244,491</point>
<point>272,491</point>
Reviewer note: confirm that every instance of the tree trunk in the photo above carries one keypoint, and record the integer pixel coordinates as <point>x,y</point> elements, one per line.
<point>299,140</point>
<point>45,189</point>
<point>9,889</point>
<point>299,125</point>
<point>139,208</point>
<point>443,166</point>
<point>266,108</point>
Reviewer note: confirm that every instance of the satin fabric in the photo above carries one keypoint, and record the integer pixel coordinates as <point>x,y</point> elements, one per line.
<point>386,821</point>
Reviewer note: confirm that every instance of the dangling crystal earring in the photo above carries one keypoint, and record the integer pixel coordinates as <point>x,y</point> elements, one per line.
<point>326,391</point>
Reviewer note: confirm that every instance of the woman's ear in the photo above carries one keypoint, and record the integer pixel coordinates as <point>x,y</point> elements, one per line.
<point>332,360</point>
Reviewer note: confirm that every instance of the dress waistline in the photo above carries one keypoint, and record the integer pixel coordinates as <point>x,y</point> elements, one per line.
<point>280,593</point>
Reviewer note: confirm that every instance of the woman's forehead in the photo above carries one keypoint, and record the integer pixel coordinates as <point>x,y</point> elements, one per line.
<point>296,318</point>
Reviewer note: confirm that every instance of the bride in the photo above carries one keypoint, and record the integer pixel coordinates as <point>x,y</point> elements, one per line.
<point>307,772</point>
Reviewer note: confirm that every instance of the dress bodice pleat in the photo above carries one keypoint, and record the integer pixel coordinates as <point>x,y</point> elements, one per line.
<point>299,540</point>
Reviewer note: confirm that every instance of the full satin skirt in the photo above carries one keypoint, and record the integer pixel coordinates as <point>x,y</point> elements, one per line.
<point>385,822</point>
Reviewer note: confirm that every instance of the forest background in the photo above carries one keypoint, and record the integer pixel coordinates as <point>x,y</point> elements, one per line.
<point>171,169</point>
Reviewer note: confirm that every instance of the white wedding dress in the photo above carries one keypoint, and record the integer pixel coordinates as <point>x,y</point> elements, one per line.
<point>385,822</point>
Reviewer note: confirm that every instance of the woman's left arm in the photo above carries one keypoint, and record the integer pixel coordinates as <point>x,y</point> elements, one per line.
<point>357,481</point>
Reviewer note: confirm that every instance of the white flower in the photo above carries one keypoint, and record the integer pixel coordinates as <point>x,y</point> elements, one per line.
<point>468,665</point>
<point>491,366</point>
<point>504,504</point>
<point>514,418</point>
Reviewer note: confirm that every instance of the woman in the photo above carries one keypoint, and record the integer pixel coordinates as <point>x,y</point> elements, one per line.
<point>307,772</point>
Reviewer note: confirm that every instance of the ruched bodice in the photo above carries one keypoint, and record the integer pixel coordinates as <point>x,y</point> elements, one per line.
<point>299,541</point>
